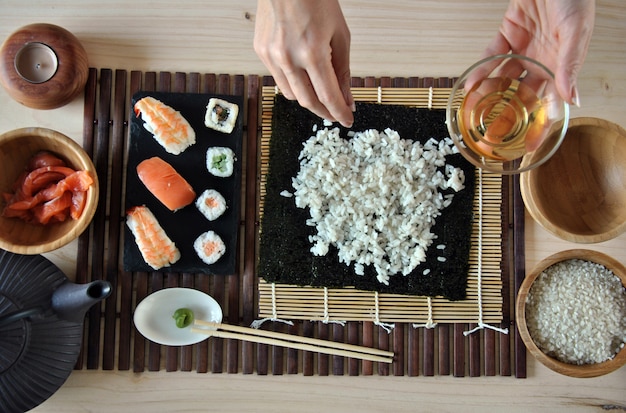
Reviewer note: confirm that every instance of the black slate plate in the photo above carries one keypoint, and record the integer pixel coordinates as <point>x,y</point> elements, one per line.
<point>37,355</point>
<point>186,224</point>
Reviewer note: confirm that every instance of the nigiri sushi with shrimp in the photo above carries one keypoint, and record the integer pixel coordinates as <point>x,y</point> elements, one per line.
<point>169,128</point>
<point>156,248</point>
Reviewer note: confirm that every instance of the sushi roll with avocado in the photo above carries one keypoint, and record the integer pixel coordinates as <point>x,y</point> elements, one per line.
<point>221,115</point>
<point>220,161</point>
<point>211,204</point>
<point>209,247</point>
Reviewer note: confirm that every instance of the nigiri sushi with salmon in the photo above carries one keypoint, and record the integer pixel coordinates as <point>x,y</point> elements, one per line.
<point>165,183</point>
<point>156,248</point>
<point>169,128</point>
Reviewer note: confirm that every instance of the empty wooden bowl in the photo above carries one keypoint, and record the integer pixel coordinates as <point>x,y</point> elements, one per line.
<point>16,148</point>
<point>579,194</point>
<point>568,369</point>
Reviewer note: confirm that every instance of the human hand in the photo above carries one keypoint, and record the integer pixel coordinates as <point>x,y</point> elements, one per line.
<point>306,47</point>
<point>554,32</point>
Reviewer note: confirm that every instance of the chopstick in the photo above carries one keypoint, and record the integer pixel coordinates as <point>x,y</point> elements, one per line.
<point>292,341</point>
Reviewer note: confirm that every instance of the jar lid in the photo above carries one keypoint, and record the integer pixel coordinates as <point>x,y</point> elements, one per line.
<point>43,66</point>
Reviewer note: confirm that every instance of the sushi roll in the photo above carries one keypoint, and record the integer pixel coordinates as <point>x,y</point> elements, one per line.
<point>209,247</point>
<point>156,248</point>
<point>169,128</point>
<point>211,204</point>
<point>220,161</point>
<point>221,115</point>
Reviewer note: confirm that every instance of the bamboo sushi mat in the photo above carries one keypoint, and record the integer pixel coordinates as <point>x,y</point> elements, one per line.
<point>484,286</point>
<point>111,340</point>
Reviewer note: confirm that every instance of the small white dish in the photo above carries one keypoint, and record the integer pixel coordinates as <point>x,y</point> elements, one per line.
<point>153,315</point>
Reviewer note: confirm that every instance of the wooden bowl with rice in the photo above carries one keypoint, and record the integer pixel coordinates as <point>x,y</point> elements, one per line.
<point>17,150</point>
<point>571,313</point>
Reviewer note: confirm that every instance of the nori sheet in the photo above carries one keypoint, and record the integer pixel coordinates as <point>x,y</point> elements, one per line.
<point>284,250</point>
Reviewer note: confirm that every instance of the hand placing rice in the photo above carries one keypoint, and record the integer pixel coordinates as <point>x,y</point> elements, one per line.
<point>375,197</point>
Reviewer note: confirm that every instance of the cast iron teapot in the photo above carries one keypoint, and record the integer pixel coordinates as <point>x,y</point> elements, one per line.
<point>41,328</point>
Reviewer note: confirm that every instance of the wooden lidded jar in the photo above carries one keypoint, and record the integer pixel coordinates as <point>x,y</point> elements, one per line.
<point>43,66</point>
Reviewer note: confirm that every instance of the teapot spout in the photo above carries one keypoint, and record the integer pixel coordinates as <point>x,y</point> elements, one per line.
<point>71,301</point>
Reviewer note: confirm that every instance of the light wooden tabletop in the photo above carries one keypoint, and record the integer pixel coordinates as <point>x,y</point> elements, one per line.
<point>395,38</point>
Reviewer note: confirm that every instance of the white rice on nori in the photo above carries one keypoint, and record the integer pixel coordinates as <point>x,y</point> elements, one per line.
<point>220,161</point>
<point>576,312</point>
<point>211,204</point>
<point>221,115</point>
<point>375,197</point>
<point>209,247</point>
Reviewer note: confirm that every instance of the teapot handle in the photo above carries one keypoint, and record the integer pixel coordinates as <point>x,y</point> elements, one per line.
<point>19,314</point>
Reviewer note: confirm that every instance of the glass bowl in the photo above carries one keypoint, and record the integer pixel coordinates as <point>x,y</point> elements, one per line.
<point>504,114</point>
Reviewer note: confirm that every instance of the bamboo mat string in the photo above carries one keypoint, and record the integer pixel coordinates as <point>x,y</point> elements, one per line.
<point>429,323</point>
<point>326,319</point>
<point>430,97</point>
<point>385,326</point>
<point>380,94</point>
<point>274,317</point>
<point>481,325</point>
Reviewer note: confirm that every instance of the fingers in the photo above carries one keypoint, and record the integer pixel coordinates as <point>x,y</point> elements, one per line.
<point>303,89</point>
<point>340,46</point>
<point>571,57</point>
<point>306,47</point>
<point>293,81</point>
<point>499,45</point>
<point>328,97</point>
<point>318,83</point>
<point>317,89</point>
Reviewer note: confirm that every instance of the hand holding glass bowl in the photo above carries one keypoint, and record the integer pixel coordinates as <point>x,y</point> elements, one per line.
<point>505,115</point>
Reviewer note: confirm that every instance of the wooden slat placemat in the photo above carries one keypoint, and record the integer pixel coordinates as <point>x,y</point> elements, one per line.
<point>111,340</point>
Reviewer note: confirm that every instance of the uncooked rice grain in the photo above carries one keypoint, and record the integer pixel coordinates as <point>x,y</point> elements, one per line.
<point>375,196</point>
<point>576,312</point>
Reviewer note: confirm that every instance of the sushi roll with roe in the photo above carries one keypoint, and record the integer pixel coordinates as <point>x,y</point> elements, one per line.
<point>209,247</point>
<point>211,204</point>
<point>221,115</point>
<point>220,161</point>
